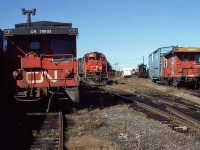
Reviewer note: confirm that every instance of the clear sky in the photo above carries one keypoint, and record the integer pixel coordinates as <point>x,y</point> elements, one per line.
<point>124,30</point>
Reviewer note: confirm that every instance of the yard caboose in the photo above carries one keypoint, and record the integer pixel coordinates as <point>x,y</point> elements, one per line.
<point>93,68</point>
<point>142,71</point>
<point>175,65</point>
<point>2,67</point>
<point>181,66</point>
<point>41,60</point>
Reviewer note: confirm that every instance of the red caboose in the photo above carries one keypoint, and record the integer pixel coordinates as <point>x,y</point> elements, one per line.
<point>93,68</point>
<point>2,67</point>
<point>181,66</point>
<point>41,60</point>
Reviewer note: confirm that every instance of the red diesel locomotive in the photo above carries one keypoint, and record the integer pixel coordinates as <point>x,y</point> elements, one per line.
<point>93,68</point>
<point>181,66</point>
<point>41,60</point>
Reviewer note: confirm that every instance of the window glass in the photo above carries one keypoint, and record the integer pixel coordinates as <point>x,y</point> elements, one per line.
<point>60,46</point>
<point>185,57</point>
<point>197,59</point>
<point>35,46</point>
<point>91,58</point>
<point>86,59</point>
<point>165,63</point>
<point>98,58</point>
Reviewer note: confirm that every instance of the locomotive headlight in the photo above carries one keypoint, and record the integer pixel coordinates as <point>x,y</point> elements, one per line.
<point>15,74</point>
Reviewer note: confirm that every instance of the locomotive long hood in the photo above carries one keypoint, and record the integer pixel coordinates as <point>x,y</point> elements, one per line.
<point>42,28</point>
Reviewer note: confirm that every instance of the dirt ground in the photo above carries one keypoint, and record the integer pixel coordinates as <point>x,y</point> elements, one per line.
<point>120,127</point>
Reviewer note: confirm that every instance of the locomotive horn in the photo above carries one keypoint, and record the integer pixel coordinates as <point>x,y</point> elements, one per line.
<point>28,12</point>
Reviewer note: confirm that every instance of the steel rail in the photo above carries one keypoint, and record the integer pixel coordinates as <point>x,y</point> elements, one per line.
<point>180,99</point>
<point>177,120</point>
<point>183,116</point>
<point>61,136</point>
<point>50,135</point>
<point>171,103</point>
<point>159,100</point>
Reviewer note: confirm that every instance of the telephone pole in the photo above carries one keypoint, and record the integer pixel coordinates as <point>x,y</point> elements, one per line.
<point>143,59</point>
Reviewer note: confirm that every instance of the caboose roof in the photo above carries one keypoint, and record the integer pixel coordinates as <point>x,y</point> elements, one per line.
<point>42,28</point>
<point>183,50</point>
<point>186,49</point>
<point>44,23</point>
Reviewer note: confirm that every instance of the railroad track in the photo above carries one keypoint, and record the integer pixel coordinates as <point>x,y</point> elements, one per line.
<point>156,94</point>
<point>48,134</point>
<point>179,115</point>
<point>195,93</point>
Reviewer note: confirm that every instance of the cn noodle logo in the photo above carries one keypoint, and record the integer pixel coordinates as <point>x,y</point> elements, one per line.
<point>38,77</point>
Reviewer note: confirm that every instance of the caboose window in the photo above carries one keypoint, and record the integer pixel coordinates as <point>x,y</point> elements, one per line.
<point>197,59</point>
<point>60,46</point>
<point>165,63</point>
<point>186,57</point>
<point>34,46</point>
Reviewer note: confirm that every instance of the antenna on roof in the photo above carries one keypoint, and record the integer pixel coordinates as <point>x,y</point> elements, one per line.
<point>28,12</point>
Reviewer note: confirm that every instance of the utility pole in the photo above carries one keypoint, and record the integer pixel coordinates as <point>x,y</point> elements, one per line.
<point>116,64</point>
<point>143,59</point>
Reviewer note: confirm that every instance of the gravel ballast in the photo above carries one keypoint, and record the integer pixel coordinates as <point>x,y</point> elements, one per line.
<point>121,127</point>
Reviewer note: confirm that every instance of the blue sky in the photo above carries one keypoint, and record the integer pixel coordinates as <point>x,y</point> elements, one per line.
<point>124,31</point>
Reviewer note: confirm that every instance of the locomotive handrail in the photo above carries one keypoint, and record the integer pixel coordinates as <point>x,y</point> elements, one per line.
<point>50,55</point>
<point>21,50</point>
<point>29,53</point>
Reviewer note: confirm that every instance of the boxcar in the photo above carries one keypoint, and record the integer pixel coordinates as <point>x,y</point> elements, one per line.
<point>155,62</point>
